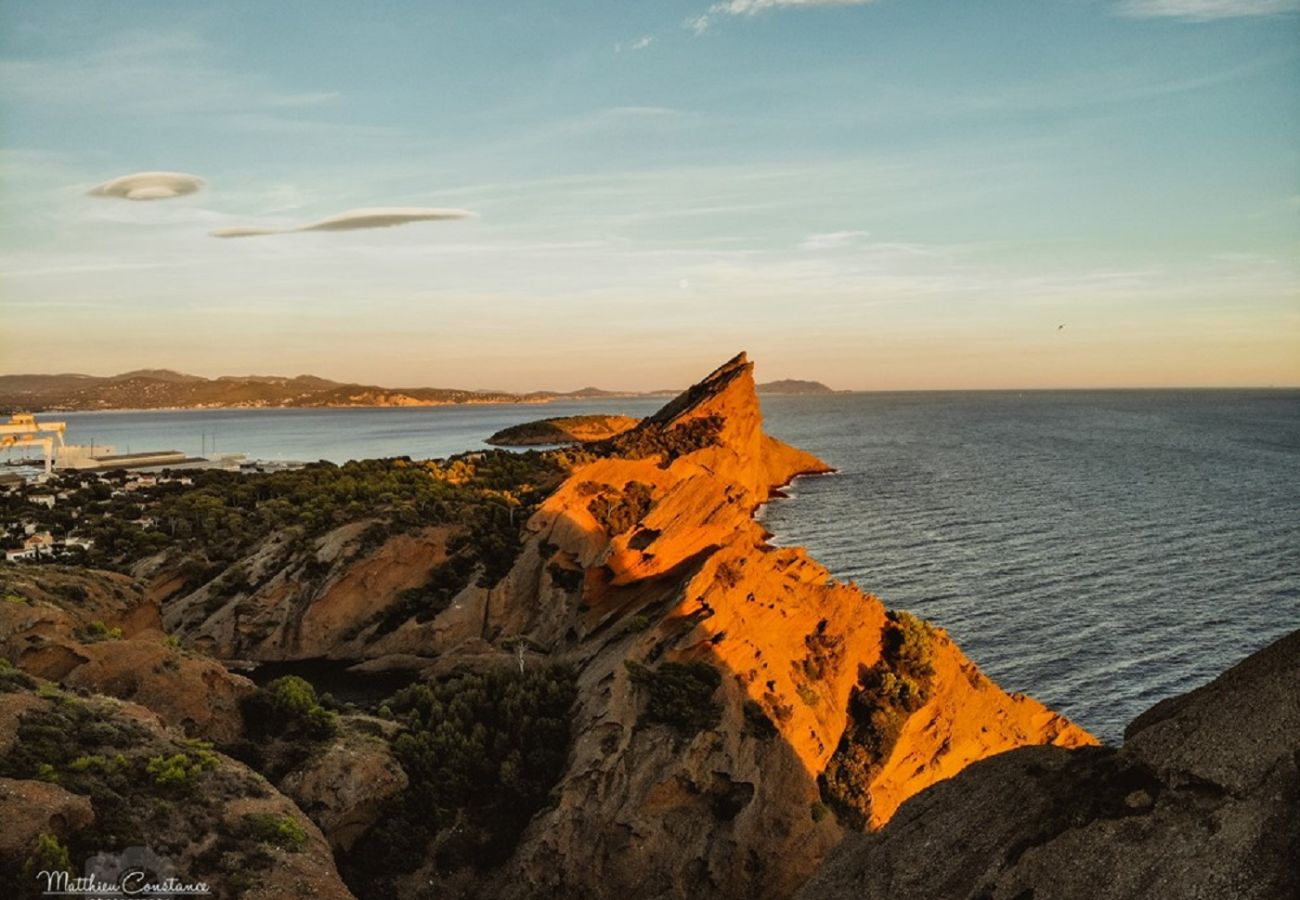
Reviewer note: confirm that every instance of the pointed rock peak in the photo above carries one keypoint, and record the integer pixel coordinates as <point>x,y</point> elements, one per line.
<point>699,399</point>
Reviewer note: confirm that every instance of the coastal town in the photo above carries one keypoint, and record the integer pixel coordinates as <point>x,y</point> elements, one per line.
<point>43,500</point>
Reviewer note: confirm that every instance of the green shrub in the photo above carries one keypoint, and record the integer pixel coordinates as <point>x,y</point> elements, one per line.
<point>885,696</point>
<point>179,771</point>
<point>49,855</point>
<point>807,694</point>
<point>288,706</point>
<point>12,679</point>
<point>96,630</point>
<point>618,511</point>
<point>280,831</point>
<point>681,694</point>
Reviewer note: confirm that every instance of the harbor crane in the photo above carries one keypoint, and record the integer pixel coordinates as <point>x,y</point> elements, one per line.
<point>22,430</point>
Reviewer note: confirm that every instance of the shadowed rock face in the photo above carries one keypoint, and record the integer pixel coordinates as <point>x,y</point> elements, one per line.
<point>1202,801</point>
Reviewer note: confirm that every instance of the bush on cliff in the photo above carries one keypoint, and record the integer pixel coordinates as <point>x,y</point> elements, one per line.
<point>681,694</point>
<point>288,706</point>
<point>620,510</point>
<point>886,694</point>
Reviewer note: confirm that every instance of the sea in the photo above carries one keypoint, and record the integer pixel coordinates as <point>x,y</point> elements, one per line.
<point>1098,550</point>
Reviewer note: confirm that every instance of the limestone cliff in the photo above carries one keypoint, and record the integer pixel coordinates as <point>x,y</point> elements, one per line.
<point>737,708</point>
<point>656,559</point>
<point>1202,801</point>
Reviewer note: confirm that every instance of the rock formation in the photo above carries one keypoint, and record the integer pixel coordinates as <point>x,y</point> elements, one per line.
<point>100,775</point>
<point>640,561</point>
<point>737,709</point>
<point>1202,801</point>
<point>98,632</point>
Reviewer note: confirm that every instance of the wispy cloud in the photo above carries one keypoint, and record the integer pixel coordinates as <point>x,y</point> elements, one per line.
<point>700,24</point>
<point>1205,10</point>
<point>353,220</point>
<point>832,240</point>
<point>639,44</point>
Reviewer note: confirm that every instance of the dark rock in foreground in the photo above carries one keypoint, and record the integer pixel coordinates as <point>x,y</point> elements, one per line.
<point>1202,801</point>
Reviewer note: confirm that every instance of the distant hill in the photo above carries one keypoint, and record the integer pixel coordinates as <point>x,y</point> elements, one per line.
<point>168,389</point>
<point>165,389</point>
<point>793,386</point>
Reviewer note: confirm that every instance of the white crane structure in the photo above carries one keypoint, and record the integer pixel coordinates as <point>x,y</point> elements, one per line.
<point>22,430</point>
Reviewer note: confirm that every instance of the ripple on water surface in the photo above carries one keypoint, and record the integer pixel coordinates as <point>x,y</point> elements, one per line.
<point>1098,550</point>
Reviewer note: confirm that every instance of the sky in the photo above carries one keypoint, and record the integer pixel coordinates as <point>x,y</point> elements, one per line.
<point>899,194</point>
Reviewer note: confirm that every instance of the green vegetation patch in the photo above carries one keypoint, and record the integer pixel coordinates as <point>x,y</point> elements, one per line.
<point>885,696</point>
<point>95,631</point>
<point>618,511</point>
<point>680,694</point>
<point>652,439</point>
<point>482,752</point>
<point>288,706</point>
<point>280,831</point>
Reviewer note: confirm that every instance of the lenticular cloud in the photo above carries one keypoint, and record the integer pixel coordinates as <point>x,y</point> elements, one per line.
<point>353,220</point>
<point>149,186</point>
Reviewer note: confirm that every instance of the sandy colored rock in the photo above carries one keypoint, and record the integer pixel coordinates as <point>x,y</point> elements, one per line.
<point>32,808</point>
<point>343,789</point>
<point>305,611</point>
<point>51,638</point>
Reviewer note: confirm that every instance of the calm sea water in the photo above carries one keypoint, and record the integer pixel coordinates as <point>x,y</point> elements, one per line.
<point>1098,550</point>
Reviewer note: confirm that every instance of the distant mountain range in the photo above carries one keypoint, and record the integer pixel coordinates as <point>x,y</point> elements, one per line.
<point>166,389</point>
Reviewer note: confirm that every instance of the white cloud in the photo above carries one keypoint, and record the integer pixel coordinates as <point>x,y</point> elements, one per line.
<point>353,220</point>
<point>149,186</point>
<point>832,240</point>
<point>700,24</point>
<point>1205,10</point>
<point>639,44</point>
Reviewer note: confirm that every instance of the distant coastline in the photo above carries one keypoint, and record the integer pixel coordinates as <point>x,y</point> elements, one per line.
<point>160,390</point>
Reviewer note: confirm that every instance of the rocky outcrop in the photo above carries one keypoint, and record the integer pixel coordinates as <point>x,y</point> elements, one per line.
<point>344,787</point>
<point>106,777</point>
<point>650,556</point>
<point>288,602</point>
<point>98,632</point>
<point>1202,801</point>
<point>738,710</point>
<point>30,809</point>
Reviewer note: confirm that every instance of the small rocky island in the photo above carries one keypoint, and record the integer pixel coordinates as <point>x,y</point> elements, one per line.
<point>562,430</point>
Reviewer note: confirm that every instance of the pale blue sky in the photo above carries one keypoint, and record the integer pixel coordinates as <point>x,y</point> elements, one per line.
<point>905,193</point>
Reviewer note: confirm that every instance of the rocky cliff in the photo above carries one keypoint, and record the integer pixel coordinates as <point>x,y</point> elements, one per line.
<point>647,568</point>
<point>610,644</point>
<point>1202,801</point>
